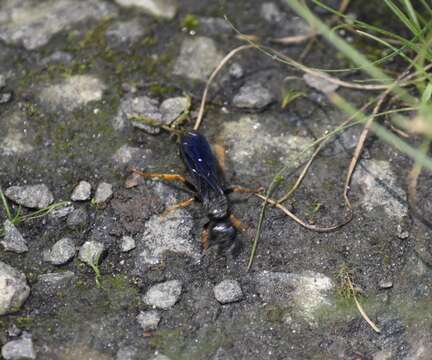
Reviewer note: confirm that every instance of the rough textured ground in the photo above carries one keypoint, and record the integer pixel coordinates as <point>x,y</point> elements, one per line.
<point>71,74</point>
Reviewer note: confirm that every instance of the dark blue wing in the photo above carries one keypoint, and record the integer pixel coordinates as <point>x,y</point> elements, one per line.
<point>201,163</point>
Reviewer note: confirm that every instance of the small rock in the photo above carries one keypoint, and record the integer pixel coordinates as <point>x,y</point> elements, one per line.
<point>127,353</point>
<point>198,58</point>
<point>61,252</point>
<point>320,83</point>
<point>73,92</point>
<point>125,32</point>
<point>127,244</point>
<point>125,154</point>
<point>31,196</point>
<point>166,9</point>
<point>228,291</point>
<point>14,143</point>
<point>13,289</point>
<point>77,218</point>
<point>171,108</point>
<point>149,320</point>
<point>56,279</point>
<point>81,192</point>
<point>401,233</point>
<point>5,97</point>
<point>103,192</point>
<point>164,295</point>
<point>19,349</point>
<point>382,355</point>
<point>58,57</point>
<point>236,71</point>
<point>271,12</point>
<point>90,252</point>
<point>2,81</point>
<point>141,106</point>
<point>12,239</point>
<point>385,284</point>
<point>62,212</point>
<point>253,96</point>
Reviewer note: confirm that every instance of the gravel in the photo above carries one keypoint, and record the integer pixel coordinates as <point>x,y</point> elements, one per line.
<point>127,244</point>
<point>253,96</point>
<point>90,252</point>
<point>164,295</point>
<point>12,239</point>
<point>228,291</point>
<point>103,192</point>
<point>61,252</point>
<point>81,192</point>
<point>31,196</point>
<point>14,290</point>
<point>149,320</point>
<point>21,349</point>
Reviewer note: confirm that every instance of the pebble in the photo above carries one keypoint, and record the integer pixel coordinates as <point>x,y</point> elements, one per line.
<point>149,320</point>
<point>103,192</point>
<point>31,196</point>
<point>165,9</point>
<point>127,244</point>
<point>236,71</point>
<point>253,96</point>
<point>385,284</point>
<point>124,32</point>
<point>320,83</point>
<point>19,349</point>
<point>81,192</point>
<point>90,252</point>
<point>171,108</point>
<point>77,218</point>
<point>127,353</point>
<point>5,97</point>
<point>62,211</point>
<point>13,289</point>
<point>164,295</point>
<point>61,252</point>
<point>271,12</point>
<point>56,279</point>
<point>228,291</point>
<point>2,81</point>
<point>12,239</point>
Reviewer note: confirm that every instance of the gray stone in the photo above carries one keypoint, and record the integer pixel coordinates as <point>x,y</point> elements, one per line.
<point>125,32</point>
<point>320,83</point>
<point>13,289</point>
<point>5,97</point>
<point>56,279</point>
<point>81,192</point>
<point>127,244</point>
<point>73,92</point>
<point>166,9</point>
<point>32,24</point>
<point>171,108</point>
<point>125,154</point>
<point>61,252</point>
<point>252,96</point>
<point>2,81</point>
<point>77,218</point>
<point>58,57</point>
<point>380,188</point>
<point>142,106</point>
<point>236,71</point>
<point>228,291</point>
<point>163,295</point>
<point>161,357</point>
<point>307,291</point>
<point>198,58</point>
<point>62,211</point>
<point>90,252</point>
<point>127,353</point>
<point>271,12</point>
<point>214,26</point>
<point>168,233</point>
<point>385,284</point>
<point>149,320</point>
<point>103,192</point>
<point>31,196</point>
<point>12,239</point>
<point>17,140</point>
<point>19,349</point>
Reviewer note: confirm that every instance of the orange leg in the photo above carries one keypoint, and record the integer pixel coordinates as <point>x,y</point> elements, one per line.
<point>179,205</point>
<point>161,176</point>
<point>205,238</point>
<point>237,223</point>
<point>239,189</point>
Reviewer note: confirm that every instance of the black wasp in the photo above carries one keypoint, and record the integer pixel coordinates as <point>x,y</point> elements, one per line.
<point>207,182</point>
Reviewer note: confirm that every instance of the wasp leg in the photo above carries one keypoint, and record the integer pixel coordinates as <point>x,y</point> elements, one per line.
<point>161,176</point>
<point>239,189</point>
<point>237,223</point>
<point>180,205</point>
<point>205,238</point>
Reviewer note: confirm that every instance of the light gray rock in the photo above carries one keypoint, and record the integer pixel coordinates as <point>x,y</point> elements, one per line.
<point>127,353</point>
<point>21,349</point>
<point>163,295</point>
<point>77,218</point>
<point>14,143</point>
<point>228,291</point>
<point>127,244</point>
<point>31,196</point>
<point>90,252</point>
<point>171,108</point>
<point>73,92</point>
<point>142,106</point>
<point>253,96</point>
<point>32,24</point>
<point>149,320</point>
<point>2,81</point>
<point>380,188</point>
<point>61,252</point>
<point>12,239</point>
<point>125,32</point>
<point>320,83</point>
<point>81,192</point>
<point>166,9</point>
<point>103,192</point>
<point>169,233</point>
<point>198,58</point>
<point>125,154</point>
<point>385,284</point>
<point>236,71</point>
<point>271,12</point>
<point>13,289</point>
<point>307,291</point>
<point>56,279</point>
<point>5,97</point>
<point>62,211</point>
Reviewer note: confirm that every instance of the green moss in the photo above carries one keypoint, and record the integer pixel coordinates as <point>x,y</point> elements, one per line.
<point>161,90</point>
<point>189,22</point>
<point>23,322</point>
<point>274,313</point>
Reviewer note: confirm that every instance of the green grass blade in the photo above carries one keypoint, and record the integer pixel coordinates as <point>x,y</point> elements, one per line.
<point>402,17</point>
<point>5,205</point>
<point>411,12</point>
